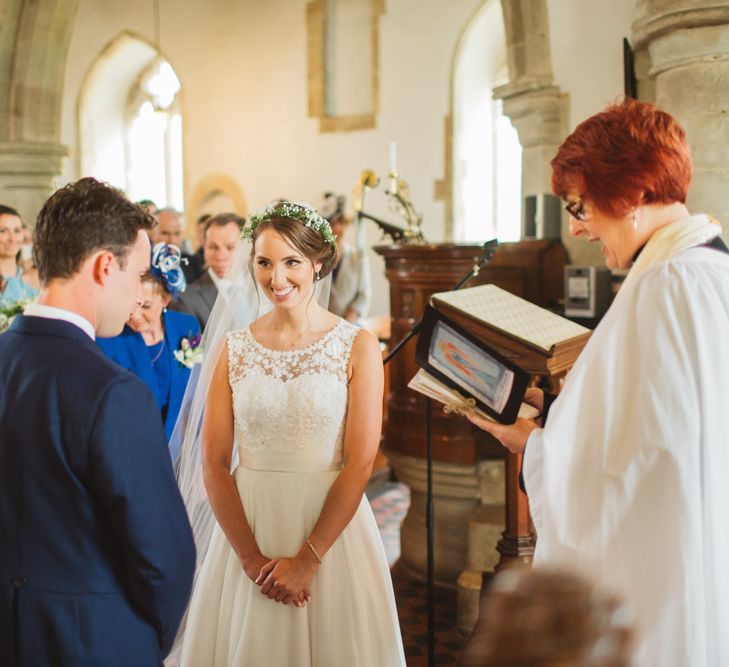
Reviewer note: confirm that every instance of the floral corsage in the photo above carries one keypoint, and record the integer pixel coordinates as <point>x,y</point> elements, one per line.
<point>190,351</point>
<point>9,313</point>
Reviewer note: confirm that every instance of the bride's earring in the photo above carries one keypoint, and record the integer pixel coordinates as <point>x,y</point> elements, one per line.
<point>316,275</point>
<point>635,218</point>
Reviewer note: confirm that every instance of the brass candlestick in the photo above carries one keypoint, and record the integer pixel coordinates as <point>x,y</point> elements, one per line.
<point>399,203</point>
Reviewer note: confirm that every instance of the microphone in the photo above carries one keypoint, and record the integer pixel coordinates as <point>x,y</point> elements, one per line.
<point>488,250</point>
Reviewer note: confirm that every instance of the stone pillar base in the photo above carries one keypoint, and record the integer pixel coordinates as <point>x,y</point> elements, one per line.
<point>456,495</point>
<point>27,174</point>
<point>469,521</point>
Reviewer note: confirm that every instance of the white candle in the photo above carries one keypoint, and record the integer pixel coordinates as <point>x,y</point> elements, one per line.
<point>393,157</point>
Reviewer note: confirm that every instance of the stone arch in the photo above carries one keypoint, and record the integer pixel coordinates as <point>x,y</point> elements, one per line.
<point>209,187</point>
<point>538,109</point>
<point>102,109</point>
<point>102,94</point>
<point>477,133</point>
<point>34,41</point>
<point>42,39</point>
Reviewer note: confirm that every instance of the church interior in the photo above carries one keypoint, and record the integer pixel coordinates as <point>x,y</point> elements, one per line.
<point>429,115</point>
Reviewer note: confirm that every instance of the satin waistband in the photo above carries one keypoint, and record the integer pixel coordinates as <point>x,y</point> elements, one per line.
<point>290,461</point>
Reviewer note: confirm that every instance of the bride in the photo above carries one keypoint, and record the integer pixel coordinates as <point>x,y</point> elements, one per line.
<point>295,573</point>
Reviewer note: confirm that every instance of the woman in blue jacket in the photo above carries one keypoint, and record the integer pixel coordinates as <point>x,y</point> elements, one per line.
<point>157,345</point>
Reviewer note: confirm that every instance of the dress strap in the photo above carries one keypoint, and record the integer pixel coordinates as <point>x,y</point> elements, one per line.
<point>239,346</point>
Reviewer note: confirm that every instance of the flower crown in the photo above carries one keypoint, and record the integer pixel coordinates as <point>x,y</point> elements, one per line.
<point>166,264</point>
<point>287,209</point>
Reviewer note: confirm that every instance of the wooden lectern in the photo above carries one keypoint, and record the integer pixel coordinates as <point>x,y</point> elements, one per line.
<point>547,367</point>
<point>531,269</point>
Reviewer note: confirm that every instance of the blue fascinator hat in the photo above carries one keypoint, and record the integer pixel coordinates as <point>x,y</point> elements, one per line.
<point>166,266</point>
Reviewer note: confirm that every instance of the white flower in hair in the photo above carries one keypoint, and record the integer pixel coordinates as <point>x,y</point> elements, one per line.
<point>295,210</point>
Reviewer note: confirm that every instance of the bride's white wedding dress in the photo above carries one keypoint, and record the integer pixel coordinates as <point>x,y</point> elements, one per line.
<point>290,409</point>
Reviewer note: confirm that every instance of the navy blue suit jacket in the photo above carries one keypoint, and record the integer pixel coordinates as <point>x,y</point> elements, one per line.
<point>96,552</point>
<point>129,350</point>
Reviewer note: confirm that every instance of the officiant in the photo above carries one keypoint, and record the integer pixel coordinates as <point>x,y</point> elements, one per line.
<point>627,477</point>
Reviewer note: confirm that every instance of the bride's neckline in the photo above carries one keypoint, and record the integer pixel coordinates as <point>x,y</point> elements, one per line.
<point>296,349</point>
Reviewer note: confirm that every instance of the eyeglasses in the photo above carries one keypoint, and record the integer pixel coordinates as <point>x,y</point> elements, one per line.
<point>576,209</point>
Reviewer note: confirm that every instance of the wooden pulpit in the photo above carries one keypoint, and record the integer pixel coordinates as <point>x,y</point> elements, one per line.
<point>547,366</point>
<point>531,269</point>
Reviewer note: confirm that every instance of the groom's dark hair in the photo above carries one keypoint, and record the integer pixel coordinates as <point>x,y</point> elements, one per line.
<point>80,219</point>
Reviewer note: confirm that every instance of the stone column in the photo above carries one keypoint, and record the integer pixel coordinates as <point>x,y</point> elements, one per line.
<point>686,72</point>
<point>484,531</point>
<point>540,119</point>
<point>456,495</point>
<point>34,39</point>
<point>538,110</point>
<point>27,173</point>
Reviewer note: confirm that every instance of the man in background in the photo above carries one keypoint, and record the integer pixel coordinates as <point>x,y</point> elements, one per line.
<point>200,232</point>
<point>221,238</point>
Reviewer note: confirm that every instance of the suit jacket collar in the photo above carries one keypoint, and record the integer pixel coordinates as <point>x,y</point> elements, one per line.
<point>208,290</point>
<point>44,326</point>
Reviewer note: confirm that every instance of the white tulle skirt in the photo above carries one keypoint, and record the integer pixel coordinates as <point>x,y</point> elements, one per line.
<point>351,620</point>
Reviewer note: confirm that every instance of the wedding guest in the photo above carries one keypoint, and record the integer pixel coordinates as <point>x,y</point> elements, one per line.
<point>97,553</point>
<point>16,283</point>
<point>351,290</point>
<point>200,231</point>
<point>549,618</point>
<point>154,340</point>
<point>26,256</point>
<point>169,230</point>
<point>627,478</point>
<point>222,235</point>
<point>148,206</point>
<point>295,573</point>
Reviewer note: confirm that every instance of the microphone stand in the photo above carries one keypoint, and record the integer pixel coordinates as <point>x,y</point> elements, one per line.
<point>397,234</point>
<point>487,252</point>
<point>369,179</point>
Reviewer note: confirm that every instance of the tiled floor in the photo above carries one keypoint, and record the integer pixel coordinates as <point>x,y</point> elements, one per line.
<point>390,502</point>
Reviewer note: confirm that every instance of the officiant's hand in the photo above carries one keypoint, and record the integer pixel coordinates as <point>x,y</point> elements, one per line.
<point>512,436</point>
<point>288,580</point>
<point>534,397</point>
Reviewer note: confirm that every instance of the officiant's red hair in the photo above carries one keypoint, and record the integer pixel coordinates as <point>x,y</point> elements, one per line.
<point>630,149</point>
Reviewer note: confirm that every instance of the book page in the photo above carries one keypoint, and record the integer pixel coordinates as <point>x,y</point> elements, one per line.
<point>424,383</point>
<point>512,315</point>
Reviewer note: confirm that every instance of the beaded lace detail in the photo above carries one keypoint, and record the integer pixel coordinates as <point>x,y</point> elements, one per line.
<point>290,399</point>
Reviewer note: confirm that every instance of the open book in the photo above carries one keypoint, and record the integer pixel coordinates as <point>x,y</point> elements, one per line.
<point>455,401</point>
<point>465,373</point>
<point>514,317</point>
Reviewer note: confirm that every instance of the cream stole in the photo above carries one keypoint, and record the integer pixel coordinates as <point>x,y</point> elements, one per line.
<point>672,239</point>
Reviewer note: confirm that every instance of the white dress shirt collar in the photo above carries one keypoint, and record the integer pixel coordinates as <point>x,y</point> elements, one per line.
<point>223,284</point>
<point>53,313</point>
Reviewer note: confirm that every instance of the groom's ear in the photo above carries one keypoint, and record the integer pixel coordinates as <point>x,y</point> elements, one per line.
<point>103,264</point>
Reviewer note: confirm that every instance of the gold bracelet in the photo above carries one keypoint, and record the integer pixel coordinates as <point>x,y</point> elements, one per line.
<point>313,550</point>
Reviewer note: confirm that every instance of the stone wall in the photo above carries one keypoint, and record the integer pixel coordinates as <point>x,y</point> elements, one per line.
<point>684,68</point>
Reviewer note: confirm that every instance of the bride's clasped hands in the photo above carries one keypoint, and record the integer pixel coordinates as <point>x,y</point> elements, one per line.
<point>277,583</point>
<point>287,580</point>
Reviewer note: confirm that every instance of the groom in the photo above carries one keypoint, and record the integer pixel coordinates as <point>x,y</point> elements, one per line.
<point>96,553</point>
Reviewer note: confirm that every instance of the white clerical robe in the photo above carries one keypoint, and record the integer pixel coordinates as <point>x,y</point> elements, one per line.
<point>629,480</point>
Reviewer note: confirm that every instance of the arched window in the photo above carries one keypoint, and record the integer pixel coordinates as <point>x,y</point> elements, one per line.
<point>131,124</point>
<point>154,137</point>
<point>486,148</point>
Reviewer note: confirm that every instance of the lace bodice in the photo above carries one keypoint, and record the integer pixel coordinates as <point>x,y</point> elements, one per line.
<point>290,400</point>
